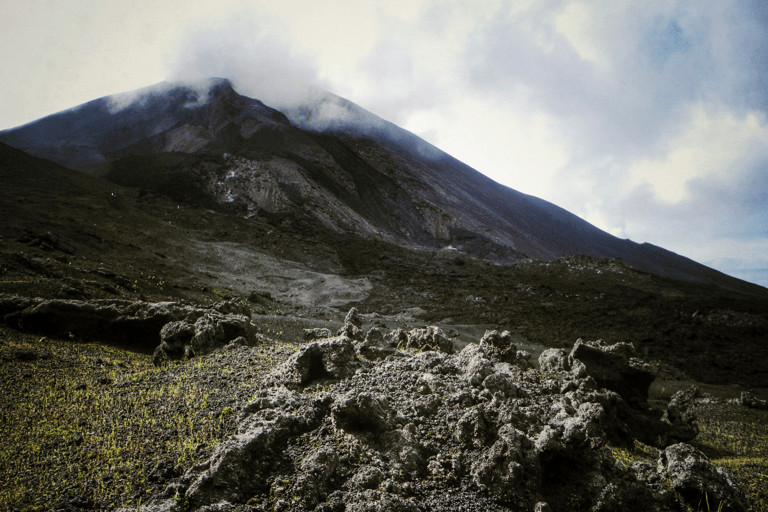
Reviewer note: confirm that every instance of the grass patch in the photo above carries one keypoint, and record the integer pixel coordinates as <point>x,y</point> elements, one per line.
<point>93,426</point>
<point>736,438</point>
<point>640,453</point>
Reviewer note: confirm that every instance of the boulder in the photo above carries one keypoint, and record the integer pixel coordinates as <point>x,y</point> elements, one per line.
<point>747,399</point>
<point>184,338</point>
<point>375,346</point>
<point>353,318</point>
<point>352,327</point>
<point>554,360</point>
<point>475,366</point>
<point>698,482</point>
<point>317,333</point>
<point>430,338</point>
<point>333,358</point>
<point>499,347</point>
<point>614,367</point>
<point>680,415</point>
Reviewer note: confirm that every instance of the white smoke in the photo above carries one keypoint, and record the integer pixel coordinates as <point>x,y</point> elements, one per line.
<point>259,63</point>
<point>200,90</point>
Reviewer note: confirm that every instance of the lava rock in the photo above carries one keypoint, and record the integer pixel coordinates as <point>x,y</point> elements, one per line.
<point>614,367</point>
<point>317,333</point>
<point>365,411</point>
<point>430,338</point>
<point>698,481</point>
<point>375,347</point>
<point>334,358</point>
<point>747,399</point>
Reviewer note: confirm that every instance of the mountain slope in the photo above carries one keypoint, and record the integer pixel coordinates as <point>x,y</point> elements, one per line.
<point>336,166</point>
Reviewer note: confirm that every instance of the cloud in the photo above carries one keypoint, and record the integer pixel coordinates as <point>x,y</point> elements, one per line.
<point>199,89</point>
<point>247,48</point>
<point>648,120</point>
<point>711,144</point>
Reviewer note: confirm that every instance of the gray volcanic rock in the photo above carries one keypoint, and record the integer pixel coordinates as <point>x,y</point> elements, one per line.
<point>352,326</point>
<point>612,367</point>
<point>317,333</point>
<point>747,399</point>
<point>333,358</point>
<point>615,367</point>
<point>176,329</point>
<point>414,433</point>
<point>375,346</point>
<point>429,338</point>
<point>499,347</point>
<point>698,481</point>
<point>362,411</point>
<point>203,334</point>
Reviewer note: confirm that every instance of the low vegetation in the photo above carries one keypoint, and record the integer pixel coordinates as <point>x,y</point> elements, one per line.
<point>736,438</point>
<point>93,426</point>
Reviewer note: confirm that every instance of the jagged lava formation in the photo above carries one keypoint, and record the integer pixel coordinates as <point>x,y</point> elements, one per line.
<point>353,423</point>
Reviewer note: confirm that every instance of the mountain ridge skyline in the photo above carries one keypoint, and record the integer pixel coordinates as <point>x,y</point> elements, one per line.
<point>56,135</point>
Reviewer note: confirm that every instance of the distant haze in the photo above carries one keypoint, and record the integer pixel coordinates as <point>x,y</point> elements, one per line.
<point>646,119</point>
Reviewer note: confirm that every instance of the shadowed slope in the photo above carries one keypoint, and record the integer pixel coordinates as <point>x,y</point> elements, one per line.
<point>337,166</point>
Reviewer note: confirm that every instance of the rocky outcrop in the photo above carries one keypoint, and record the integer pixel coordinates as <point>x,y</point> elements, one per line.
<point>614,367</point>
<point>317,333</point>
<point>427,430</point>
<point>595,365</point>
<point>201,335</point>
<point>747,399</point>
<point>333,358</point>
<point>699,482</point>
<point>499,347</point>
<point>429,338</point>
<point>352,327</point>
<point>175,329</point>
<point>375,346</point>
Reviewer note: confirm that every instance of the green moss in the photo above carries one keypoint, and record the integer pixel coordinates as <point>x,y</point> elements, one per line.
<point>640,453</point>
<point>736,438</point>
<point>66,436</point>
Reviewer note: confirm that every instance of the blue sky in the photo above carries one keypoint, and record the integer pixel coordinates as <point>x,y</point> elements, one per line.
<point>648,119</point>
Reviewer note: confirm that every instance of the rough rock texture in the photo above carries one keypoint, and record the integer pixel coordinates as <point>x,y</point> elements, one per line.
<point>352,327</point>
<point>615,367</point>
<point>204,334</point>
<point>333,358</point>
<point>435,431</point>
<point>700,483</point>
<point>429,338</point>
<point>499,347</point>
<point>317,333</point>
<point>176,329</point>
<point>622,383</point>
<point>375,346</point>
<point>749,400</point>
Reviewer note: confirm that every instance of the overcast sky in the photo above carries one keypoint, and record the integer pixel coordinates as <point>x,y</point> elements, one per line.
<point>647,119</point>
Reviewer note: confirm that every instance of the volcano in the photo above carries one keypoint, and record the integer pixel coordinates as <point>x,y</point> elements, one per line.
<point>349,172</point>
